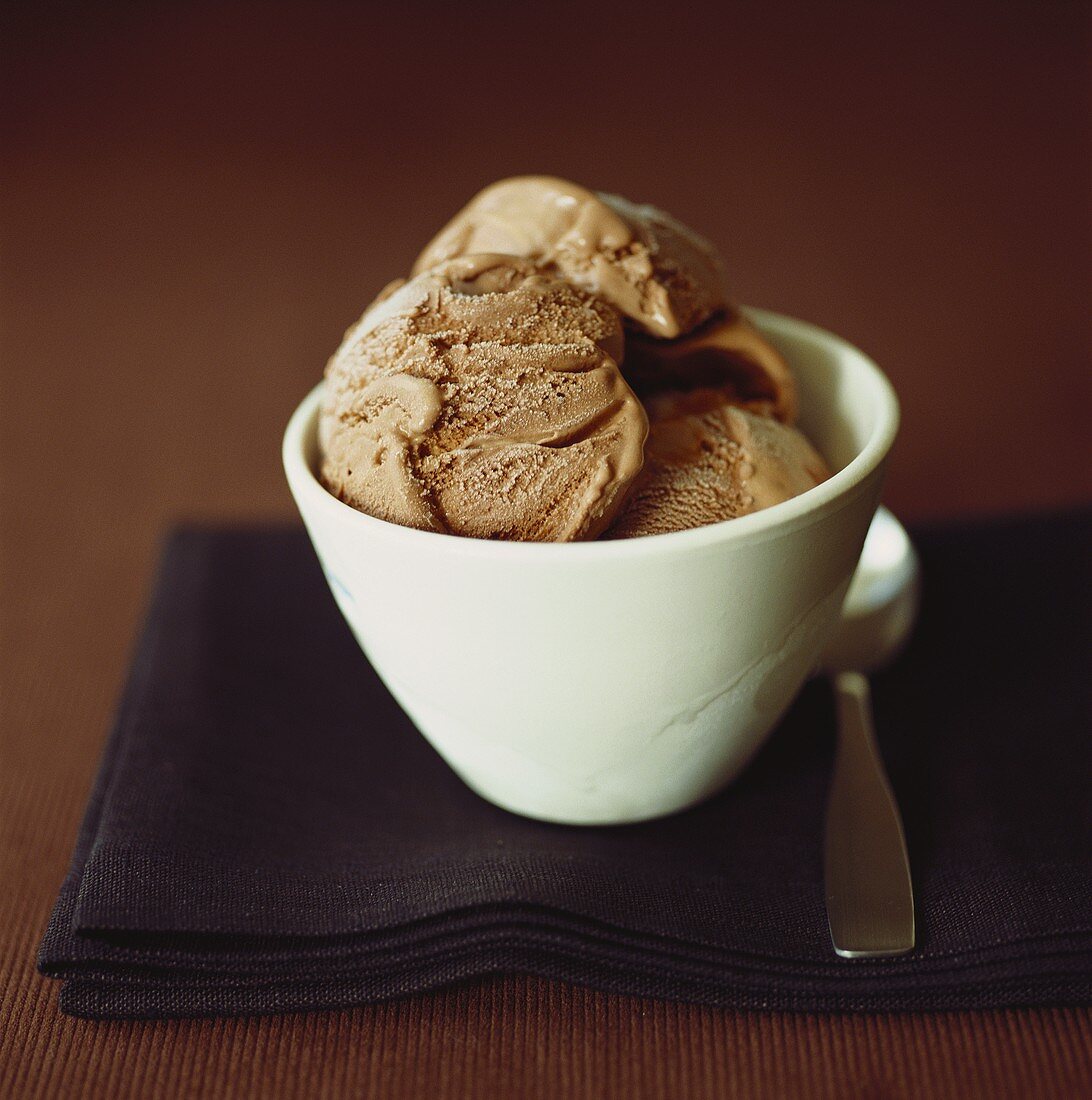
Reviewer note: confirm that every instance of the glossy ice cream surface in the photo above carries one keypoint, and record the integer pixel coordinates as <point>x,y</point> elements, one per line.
<point>659,274</point>
<point>505,390</point>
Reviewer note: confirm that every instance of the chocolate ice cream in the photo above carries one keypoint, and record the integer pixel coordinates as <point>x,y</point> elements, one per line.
<point>483,398</point>
<point>501,392</point>
<point>727,353</point>
<point>707,460</point>
<point>661,275</point>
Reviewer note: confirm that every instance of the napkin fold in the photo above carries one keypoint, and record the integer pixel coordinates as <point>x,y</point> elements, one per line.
<point>268,832</point>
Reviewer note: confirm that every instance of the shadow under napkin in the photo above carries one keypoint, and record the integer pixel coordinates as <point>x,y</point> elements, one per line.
<point>268,831</point>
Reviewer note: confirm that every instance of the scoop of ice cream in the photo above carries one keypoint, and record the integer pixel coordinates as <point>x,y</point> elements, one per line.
<point>657,272</point>
<point>707,460</point>
<point>727,353</point>
<point>483,398</point>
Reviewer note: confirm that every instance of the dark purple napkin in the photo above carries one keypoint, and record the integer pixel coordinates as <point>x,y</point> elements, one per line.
<point>268,831</point>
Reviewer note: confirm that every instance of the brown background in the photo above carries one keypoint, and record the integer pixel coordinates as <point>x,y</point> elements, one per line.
<point>197,201</point>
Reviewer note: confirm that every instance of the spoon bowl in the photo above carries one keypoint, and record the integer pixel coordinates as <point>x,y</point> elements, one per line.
<point>882,603</point>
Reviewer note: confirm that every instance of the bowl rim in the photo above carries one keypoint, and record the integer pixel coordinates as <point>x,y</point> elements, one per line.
<point>837,492</point>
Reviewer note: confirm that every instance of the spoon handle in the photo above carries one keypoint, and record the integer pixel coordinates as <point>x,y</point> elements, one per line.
<point>870,900</point>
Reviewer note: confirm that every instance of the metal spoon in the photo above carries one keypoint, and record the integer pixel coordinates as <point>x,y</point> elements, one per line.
<point>870,900</point>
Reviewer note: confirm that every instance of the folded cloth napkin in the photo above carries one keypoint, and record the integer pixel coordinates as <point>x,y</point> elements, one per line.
<point>268,832</point>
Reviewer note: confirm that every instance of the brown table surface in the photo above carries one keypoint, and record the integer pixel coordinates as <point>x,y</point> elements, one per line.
<point>196,202</point>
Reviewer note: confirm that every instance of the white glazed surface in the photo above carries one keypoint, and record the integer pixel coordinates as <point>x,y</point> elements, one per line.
<point>613,681</point>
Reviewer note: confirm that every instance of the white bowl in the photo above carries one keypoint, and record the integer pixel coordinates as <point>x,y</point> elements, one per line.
<point>611,682</point>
